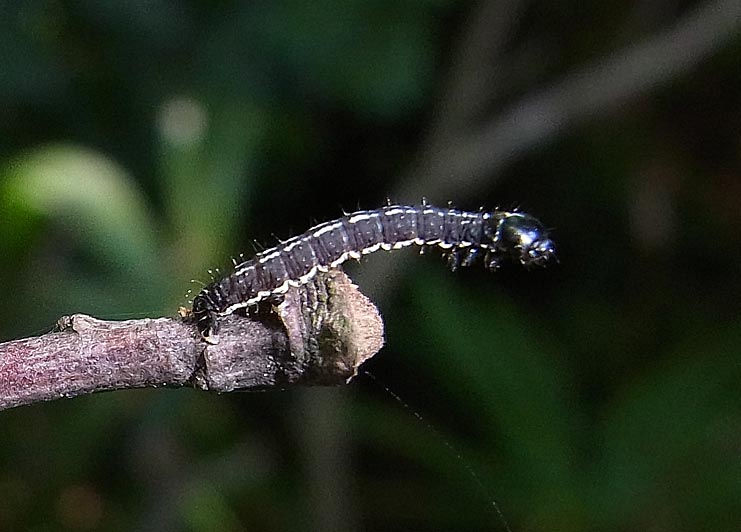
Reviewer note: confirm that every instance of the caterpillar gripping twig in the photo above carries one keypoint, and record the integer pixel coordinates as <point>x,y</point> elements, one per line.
<point>496,236</point>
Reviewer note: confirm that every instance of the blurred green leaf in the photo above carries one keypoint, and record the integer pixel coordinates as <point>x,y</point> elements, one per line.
<point>93,197</point>
<point>493,361</point>
<point>205,509</point>
<point>438,474</point>
<point>483,346</point>
<point>676,424</point>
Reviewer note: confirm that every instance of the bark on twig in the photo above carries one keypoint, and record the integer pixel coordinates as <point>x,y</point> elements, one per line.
<point>318,335</point>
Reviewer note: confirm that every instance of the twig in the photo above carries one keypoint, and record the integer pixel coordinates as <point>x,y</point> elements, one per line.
<point>318,335</point>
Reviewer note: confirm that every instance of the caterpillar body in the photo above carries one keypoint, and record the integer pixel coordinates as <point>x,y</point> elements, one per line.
<point>496,235</point>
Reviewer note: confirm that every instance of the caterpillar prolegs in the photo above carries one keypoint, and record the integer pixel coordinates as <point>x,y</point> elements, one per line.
<point>495,236</point>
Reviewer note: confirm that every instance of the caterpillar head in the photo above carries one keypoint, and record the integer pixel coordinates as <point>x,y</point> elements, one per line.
<point>523,238</point>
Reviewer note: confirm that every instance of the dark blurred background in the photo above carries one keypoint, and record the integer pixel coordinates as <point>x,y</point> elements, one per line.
<point>142,143</point>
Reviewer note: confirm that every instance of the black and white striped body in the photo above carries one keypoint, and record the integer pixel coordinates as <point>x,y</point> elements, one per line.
<point>464,235</point>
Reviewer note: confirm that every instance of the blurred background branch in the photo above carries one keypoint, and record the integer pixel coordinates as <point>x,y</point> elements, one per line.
<point>481,148</point>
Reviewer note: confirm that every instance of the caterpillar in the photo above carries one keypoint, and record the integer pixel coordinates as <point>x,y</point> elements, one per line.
<point>496,235</point>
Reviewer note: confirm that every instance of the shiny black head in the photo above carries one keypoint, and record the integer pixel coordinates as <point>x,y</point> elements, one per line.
<point>524,239</point>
